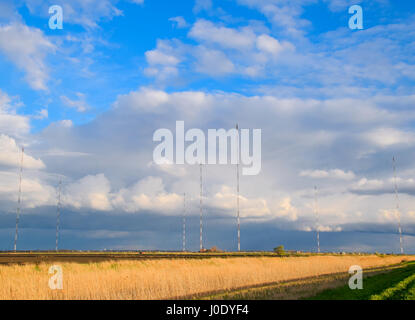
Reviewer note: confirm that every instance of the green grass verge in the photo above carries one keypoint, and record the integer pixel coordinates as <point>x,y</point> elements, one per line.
<point>397,284</point>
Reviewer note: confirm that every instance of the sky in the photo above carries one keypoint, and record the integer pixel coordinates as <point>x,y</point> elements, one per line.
<point>334,106</point>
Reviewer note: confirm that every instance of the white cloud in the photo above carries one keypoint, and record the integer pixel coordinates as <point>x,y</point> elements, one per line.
<point>27,48</point>
<point>220,51</point>
<point>202,5</point>
<point>180,22</point>
<point>163,61</point>
<point>283,14</point>
<point>380,186</point>
<point>80,105</point>
<point>385,137</point>
<point>169,168</point>
<point>286,209</point>
<point>10,155</point>
<point>35,192</point>
<point>148,194</point>
<point>207,31</point>
<point>90,192</point>
<point>225,199</point>
<point>10,122</point>
<point>145,99</point>
<point>334,173</point>
<point>155,57</point>
<point>65,123</point>
<point>331,138</point>
<point>213,62</point>
<point>271,45</point>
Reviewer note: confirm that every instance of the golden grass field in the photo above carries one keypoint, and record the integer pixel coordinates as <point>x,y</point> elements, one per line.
<point>165,279</point>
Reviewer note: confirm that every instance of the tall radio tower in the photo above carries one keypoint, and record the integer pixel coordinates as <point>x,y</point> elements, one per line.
<point>398,213</point>
<point>58,213</point>
<point>317,219</point>
<point>19,201</point>
<point>184,222</point>
<point>201,209</point>
<point>237,193</point>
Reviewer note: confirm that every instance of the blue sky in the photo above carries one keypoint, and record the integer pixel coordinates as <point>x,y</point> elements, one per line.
<point>334,106</point>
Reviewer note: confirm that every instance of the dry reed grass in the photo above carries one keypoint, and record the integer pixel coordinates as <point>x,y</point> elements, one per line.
<point>164,279</point>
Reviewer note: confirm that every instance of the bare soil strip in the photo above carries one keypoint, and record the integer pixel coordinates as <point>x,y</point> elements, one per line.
<point>37,258</point>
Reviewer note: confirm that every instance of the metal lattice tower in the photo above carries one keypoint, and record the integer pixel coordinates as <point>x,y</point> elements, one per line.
<point>19,201</point>
<point>317,219</point>
<point>201,209</point>
<point>237,193</point>
<point>184,222</point>
<point>398,213</point>
<point>58,212</point>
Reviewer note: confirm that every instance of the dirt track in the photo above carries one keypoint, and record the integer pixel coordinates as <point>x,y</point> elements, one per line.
<point>36,258</point>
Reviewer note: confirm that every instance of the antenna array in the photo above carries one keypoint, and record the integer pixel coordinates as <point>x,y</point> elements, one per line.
<point>201,209</point>
<point>317,219</point>
<point>237,193</point>
<point>19,201</point>
<point>58,213</point>
<point>398,213</point>
<point>184,222</point>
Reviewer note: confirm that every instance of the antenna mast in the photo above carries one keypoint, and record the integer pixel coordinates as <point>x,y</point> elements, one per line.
<point>19,201</point>
<point>58,213</point>
<point>397,205</point>
<point>201,210</point>
<point>184,222</point>
<point>237,193</point>
<point>317,219</point>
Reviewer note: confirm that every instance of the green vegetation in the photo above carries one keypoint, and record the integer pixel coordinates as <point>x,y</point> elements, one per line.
<point>279,250</point>
<point>398,284</point>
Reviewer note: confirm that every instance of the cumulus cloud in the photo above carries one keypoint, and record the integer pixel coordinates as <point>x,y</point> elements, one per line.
<point>225,199</point>
<point>163,61</point>
<point>148,194</point>
<point>11,154</point>
<point>271,45</point>
<point>286,209</point>
<point>207,31</point>
<point>91,192</point>
<point>35,192</point>
<point>129,184</point>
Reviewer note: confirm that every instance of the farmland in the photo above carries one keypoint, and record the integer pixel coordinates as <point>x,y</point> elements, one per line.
<point>184,277</point>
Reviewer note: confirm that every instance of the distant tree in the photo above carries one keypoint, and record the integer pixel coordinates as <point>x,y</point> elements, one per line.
<point>279,250</point>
